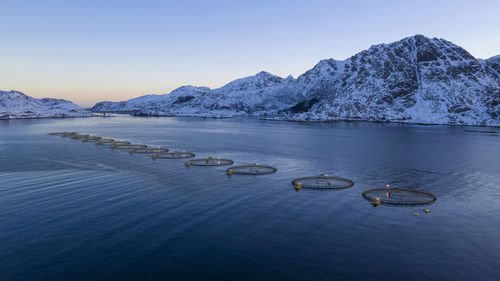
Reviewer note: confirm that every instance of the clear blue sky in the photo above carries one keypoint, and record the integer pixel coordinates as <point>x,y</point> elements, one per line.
<point>89,51</point>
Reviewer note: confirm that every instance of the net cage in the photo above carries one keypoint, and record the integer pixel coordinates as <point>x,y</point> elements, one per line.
<point>322,182</point>
<point>149,150</point>
<point>481,131</point>
<point>91,139</point>
<point>254,169</point>
<point>173,155</point>
<point>79,136</point>
<point>106,140</point>
<point>62,134</point>
<point>129,146</point>
<point>398,196</point>
<point>210,161</point>
<point>111,143</point>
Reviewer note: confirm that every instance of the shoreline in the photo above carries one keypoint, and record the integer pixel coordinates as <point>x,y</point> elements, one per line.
<point>261,117</point>
<point>50,117</point>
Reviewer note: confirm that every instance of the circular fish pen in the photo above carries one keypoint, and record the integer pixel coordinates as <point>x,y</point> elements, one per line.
<point>173,155</point>
<point>62,134</point>
<point>129,146</point>
<point>91,139</point>
<point>111,143</point>
<point>255,169</point>
<point>322,182</point>
<point>398,196</point>
<point>481,131</point>
<point>209,162</point>
<point>149,150</point>
<point>106,140</point>
<point>78,136</point>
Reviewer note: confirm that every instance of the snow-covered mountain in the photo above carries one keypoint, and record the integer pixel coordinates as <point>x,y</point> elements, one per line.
<point>414,80</point>
<point>15,105</point>
<point>259,94</point>
<point>417,80</point>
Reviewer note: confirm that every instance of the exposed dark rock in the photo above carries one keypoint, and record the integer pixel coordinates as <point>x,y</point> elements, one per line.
<point>183,99</point>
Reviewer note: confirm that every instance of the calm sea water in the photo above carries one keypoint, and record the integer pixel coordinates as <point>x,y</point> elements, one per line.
<point>74,211</point>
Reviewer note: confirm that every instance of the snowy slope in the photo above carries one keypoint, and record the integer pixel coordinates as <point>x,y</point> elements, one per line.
<point>414,80</point>
<point>259,94</point>
<point>15,105</point>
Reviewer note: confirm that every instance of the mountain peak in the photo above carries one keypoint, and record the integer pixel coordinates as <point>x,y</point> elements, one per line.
<point>264,74</point>
<point>426,49</point>
<point>416,79</point>
<point>258,81</point>
<point>14,104</point>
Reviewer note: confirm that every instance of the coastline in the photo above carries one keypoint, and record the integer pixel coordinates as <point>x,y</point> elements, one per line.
<point>91,115</point>
<point>278,118</point>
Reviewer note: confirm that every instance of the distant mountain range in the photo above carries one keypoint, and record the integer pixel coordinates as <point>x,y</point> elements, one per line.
<point>414,80</point>
<point>16,105</point>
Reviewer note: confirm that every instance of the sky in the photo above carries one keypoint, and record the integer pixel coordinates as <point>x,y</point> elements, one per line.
<point>89,51</point>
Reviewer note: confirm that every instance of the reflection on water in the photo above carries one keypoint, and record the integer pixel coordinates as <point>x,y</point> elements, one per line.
<point>75,211</point>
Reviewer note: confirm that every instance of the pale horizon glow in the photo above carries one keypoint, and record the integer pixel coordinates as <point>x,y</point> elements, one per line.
<point>91,51</point>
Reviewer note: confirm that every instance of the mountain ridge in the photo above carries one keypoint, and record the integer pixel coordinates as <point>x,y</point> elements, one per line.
<point>17,105</point>
<point>413,80</point>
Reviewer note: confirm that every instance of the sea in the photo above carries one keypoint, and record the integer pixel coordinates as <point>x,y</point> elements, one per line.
<point>71,210</point>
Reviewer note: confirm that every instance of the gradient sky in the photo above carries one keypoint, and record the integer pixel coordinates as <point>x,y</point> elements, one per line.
<point>90,51</point>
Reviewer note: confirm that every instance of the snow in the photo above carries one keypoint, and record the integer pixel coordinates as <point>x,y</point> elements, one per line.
<point>15,105</point>
<point>257,94</point>
<point>414,80</point>
<point>497,57</point>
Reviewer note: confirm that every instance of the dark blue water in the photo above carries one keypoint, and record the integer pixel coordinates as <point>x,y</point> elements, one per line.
<point>74,211</point>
